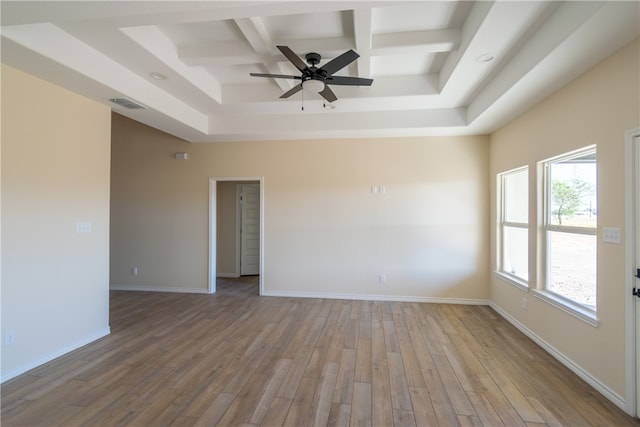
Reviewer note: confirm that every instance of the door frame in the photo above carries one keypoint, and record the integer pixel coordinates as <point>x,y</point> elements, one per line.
<point>213,204</point>
<point>632,217</point>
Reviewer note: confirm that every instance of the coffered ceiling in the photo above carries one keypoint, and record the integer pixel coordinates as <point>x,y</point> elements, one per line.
<point>439,68</point>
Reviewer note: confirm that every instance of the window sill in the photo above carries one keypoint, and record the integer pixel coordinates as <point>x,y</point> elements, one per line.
<point>577,311</point>
<point>513,280</point>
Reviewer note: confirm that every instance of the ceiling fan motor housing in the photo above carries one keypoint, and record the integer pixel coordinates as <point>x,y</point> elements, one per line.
<point>313,58</point>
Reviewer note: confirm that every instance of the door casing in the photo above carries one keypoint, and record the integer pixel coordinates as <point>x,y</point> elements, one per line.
<point>632,261</point>
<point>213,228</point>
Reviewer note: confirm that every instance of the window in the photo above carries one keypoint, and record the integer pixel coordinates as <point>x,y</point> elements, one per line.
<point>570,227</point>
<point>514,225</point>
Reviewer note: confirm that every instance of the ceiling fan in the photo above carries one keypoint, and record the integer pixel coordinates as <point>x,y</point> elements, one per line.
<point>316,79</point>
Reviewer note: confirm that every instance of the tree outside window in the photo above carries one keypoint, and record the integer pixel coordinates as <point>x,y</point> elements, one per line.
<point>571,224</point>
<point>569,197</point>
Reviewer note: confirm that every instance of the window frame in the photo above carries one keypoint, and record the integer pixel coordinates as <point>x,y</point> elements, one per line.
<point>511,278</point>
<point>566,304</point>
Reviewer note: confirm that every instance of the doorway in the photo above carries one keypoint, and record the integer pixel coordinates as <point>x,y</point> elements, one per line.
<point>235,248</point>
<point>632,263</point>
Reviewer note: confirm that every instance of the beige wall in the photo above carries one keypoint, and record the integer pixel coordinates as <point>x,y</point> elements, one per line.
<point>597,108</point>
<point>325,233</point>
<point>158,222</point>
<point>55,173</point>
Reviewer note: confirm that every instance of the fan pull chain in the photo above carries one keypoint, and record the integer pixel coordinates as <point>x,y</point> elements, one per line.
<point>302,103</point>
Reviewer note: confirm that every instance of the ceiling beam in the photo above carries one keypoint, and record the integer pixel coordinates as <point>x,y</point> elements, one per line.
<point>138,13</point>
<point>231,52</point>
<point>362,34</point>
<point>235,52</point>
<point>384,94</point>
<point>326,124</point>
<point>367,45</point>
<point>254,30</point>
<point>415,41</point>
<point>328,47</point>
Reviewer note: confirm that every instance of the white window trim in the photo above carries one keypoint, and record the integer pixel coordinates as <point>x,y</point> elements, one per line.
<point>568,306</point>
<point>516,224</point>
<point>573,230</point>
<point>565,304</point>
<point>512,279</point>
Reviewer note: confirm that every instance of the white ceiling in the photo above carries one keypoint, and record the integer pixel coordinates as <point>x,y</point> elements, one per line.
<point>423,57</point>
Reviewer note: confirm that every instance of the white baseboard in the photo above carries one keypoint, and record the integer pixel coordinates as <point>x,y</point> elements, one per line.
<point>360,297</point>
<point>173,289</point>
<point>603,389</point>
<point>49,357</point>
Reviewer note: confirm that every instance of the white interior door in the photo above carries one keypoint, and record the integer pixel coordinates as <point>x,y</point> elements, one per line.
<point>636,193</point>
<point>249,229</point>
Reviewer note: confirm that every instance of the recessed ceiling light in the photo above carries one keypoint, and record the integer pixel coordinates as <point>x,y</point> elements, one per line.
<point>158,76</point>
<point>486,57</point>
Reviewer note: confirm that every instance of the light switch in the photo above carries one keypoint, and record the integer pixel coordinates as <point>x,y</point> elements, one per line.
<point>611,235</point>
<point>83,227</point>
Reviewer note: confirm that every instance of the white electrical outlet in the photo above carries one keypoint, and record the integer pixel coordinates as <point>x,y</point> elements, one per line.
<point>524,303</point>
<point>382,279</point>
<point>9,338</point>
<point>134,271</point>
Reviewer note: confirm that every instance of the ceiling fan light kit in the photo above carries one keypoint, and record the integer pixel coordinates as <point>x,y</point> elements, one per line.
<point>313,85</point>
<point>317,80</point>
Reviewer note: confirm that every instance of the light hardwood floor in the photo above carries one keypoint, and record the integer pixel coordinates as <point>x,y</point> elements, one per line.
<point>239,359</point>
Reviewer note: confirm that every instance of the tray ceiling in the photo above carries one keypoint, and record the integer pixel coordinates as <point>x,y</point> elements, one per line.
<point>439,68</point>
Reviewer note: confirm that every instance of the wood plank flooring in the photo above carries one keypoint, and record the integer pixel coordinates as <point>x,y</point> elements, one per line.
<point>237,359</point>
